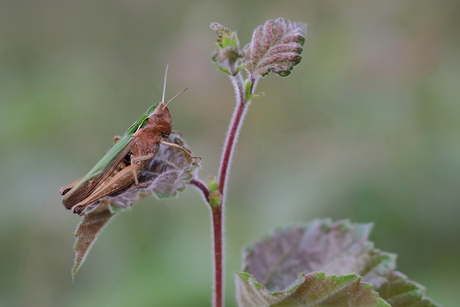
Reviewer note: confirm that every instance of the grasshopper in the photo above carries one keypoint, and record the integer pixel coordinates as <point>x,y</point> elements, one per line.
<point>123,163</point>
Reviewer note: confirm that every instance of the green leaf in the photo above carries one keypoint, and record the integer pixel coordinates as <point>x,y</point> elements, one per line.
<point>215,199</point>
<point>165,176</point>
<point>315,289</point>
<point>240,68</point>
<point>247,88</point>
<point>254,96</point>
<point>225,38</point>
<point>401,292</point>
<point>227,51</point>
<point>335,248</point>
<point>276,46</point>
<point>221,68</point>
<point>212,184</point>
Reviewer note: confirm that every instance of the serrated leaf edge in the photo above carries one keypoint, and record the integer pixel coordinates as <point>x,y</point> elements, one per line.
<point>346,280</point>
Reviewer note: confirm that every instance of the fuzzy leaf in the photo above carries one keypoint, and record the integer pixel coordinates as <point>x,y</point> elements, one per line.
<point>225,38</point>
<point>87,232</point>
<point>338,248</point>
<point>314,289</point>
<point>276,46</point>
<point>166,175</point>
<point>227,51</point>
<point>401,292</point>
<point>319,246</point>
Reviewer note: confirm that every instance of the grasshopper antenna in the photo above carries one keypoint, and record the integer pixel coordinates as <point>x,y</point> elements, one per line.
<point>164,85</point>
<point>175,97</point>
<point>164,90</point>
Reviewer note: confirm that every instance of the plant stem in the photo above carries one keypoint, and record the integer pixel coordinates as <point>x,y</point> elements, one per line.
<point>230,145</point>
<point>202,187</point>
<point>218,211</point>
<point>218,239</point>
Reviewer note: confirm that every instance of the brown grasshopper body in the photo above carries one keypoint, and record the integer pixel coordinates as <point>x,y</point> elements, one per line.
<point>123,166</point>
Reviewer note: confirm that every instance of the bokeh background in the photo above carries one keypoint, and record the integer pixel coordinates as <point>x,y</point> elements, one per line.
<point>366,128</point>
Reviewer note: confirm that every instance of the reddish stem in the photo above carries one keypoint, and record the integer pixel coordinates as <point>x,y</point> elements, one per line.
<point>229,146</point>
<point>218,211</point>
<point>218,238</point>
<point>202,187</point>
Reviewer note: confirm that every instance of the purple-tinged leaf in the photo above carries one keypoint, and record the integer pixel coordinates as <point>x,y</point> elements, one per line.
<point>87,232</point>
<point>334,248</point>
<point>165,176</point>
<point>338,249</point>
<point>276,46</point>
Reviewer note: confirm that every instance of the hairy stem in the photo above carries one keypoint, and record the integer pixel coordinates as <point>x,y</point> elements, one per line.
<point>202,187</point>
<point>232,135</point>
<point>218,240</point>
<point>218,211</point>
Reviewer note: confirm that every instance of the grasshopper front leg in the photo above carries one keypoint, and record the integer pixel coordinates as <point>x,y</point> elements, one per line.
<point>188,152</point>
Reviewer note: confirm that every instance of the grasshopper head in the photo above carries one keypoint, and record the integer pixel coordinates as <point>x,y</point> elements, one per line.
<point>161,118</point>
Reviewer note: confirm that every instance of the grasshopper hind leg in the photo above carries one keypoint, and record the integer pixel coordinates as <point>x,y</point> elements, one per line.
<point>138,162</point>
<point>78,209</point>
<point>69,187</point>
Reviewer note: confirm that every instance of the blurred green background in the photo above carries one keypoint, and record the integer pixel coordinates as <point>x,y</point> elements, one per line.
<point>367,128</point>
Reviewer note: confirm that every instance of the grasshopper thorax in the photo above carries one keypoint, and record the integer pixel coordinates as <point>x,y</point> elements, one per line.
<point>161,119</point>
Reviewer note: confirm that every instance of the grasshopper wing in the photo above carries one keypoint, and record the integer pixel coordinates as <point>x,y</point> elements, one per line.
<point>105,167</point>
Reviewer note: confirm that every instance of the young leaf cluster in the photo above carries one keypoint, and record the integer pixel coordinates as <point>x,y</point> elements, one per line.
<point>275,47</point>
